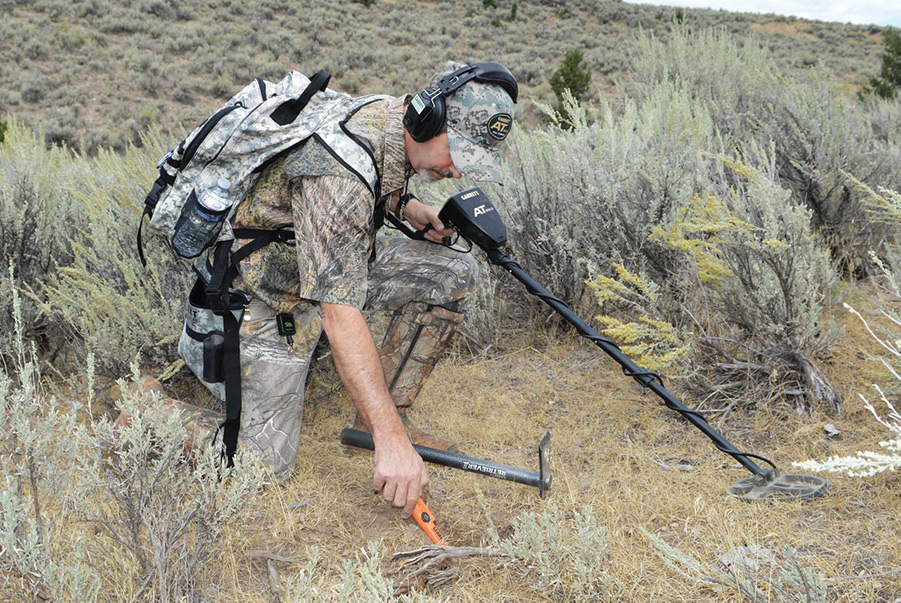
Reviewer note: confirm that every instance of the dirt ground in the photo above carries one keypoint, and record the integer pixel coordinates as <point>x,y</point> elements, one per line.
<point>616,449</point>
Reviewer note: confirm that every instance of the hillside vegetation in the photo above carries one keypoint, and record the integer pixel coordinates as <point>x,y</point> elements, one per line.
<point>94,73</point>
<point>709,205</point>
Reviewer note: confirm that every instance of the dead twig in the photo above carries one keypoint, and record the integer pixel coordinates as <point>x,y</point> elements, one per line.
<point>270,555</point>
<point>435,568</point>
<point>276,595</point>
<point>893,572</point>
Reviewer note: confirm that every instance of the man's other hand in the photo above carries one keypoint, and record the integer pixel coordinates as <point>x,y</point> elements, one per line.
<point>418,214</point>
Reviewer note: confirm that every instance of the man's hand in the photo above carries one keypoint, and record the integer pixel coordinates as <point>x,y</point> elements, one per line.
<point>418,214</point>
<point>400,474</point>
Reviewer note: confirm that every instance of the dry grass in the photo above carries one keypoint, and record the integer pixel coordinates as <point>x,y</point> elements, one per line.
<point>615,449</point>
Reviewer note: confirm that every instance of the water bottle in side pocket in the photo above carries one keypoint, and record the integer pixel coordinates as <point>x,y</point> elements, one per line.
<point>200,220</point>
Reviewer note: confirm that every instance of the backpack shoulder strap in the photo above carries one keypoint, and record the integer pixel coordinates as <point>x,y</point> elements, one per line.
<point>289,110</point>
<point>348,149</point>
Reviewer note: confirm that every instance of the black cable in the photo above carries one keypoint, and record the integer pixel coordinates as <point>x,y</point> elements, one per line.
<point>643,376</point>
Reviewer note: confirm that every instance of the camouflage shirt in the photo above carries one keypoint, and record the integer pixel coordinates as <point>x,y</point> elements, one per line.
<point>331,211</point>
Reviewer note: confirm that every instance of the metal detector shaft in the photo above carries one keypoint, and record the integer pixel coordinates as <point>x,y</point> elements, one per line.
<point>644,377</point>
<point>542,481</point>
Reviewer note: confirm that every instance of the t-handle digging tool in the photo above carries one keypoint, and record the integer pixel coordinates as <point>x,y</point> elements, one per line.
<point>541,479</point>
<point>426,520</point>
<point>476,219</point>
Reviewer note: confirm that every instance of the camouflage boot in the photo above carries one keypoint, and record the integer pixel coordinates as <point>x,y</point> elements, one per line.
<point>416,338</point>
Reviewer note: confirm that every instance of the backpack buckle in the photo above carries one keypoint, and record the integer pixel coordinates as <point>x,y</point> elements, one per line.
<point>153,197</point>
<point>285,236</point>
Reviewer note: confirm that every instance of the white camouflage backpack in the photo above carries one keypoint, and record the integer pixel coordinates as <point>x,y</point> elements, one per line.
<point>202,181</point>
<point>235,143</point>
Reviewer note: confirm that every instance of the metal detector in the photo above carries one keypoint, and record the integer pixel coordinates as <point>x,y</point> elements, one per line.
<point>475,218</point>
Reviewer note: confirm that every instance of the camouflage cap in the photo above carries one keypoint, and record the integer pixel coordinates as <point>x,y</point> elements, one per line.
<point>479,117</point>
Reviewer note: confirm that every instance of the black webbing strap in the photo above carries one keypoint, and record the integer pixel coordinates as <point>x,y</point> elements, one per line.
<point>288,111</point>
<point>217,296</point>
<point>232,371</point>
<point>259,239</point>
<point>148,211</point>
<point>150,201</point>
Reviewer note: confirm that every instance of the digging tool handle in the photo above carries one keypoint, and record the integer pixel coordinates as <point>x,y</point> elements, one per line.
<point>362,439</point>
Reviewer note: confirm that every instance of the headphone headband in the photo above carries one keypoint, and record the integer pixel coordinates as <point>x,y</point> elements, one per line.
<point>486,73</point>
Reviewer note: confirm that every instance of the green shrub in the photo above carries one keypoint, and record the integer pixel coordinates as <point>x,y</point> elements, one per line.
<point>634,188</point>
<point>754,276</point>
<point>752,571</point>
<point>732,77</point>
<point>69,226</point>
<point>37,213</point>
<point>158,516</point>
<point>572,77</point>
<point>113,306</point>
<point>561,555</point>
<point>38,450</point>
<point>35,87</point>
<point>741,301</point>
<point>92,511</point>
<point>889,80</point>
<point>576,201</point>
<point>361,580</point>
<point>820,137</point>
<point>818,133</point>
<point>638,325</point>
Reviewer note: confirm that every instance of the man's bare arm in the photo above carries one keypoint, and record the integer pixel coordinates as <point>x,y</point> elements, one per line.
<point>400,474</point>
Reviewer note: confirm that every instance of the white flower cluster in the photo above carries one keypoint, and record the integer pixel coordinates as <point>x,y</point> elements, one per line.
<point>868,463</point>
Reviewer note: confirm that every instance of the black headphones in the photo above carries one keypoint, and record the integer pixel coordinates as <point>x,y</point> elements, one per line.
<point>427,112</point>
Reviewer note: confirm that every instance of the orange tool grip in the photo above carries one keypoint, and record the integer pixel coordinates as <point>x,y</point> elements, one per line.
<point>426,521</point>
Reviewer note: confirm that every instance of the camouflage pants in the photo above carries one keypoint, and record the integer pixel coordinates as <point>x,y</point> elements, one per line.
<point>422,283</point>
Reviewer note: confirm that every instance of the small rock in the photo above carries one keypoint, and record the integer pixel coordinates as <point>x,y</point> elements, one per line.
<point>831,430</point>
<point>750,557</point>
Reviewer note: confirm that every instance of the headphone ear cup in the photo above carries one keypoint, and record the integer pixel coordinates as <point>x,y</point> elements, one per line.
<point>434,121</point>
<point>427,125</point>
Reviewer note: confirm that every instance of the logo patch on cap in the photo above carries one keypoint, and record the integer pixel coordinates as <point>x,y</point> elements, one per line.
<point>499,125</point>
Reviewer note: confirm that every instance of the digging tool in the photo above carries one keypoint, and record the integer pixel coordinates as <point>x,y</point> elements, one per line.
<point>476,219</point>
<point>426,520</point>
<point>541,479</point>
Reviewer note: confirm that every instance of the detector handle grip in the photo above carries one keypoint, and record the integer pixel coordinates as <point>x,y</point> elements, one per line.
<point>416,235</point>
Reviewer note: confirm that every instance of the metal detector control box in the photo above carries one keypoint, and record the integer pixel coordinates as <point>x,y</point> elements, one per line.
<point>474,217</point>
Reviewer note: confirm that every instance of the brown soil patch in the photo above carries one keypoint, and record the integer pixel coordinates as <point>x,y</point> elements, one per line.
<point>789,30</point>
